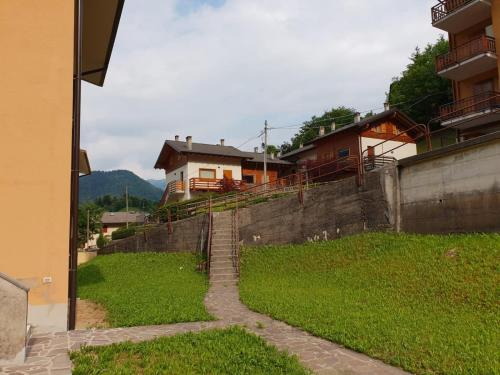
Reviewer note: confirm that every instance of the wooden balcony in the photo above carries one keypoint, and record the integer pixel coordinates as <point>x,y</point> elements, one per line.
<point>472,58</point>
<point>215,185</point>
<point>175,187</point>
<point>472,111</point>
<point>455,16</point>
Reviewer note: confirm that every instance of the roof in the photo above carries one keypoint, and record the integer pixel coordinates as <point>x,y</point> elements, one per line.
<point>297,151</point>
<point>84,164</point>
<point>203,149</point>
<point>366,121</point>
<point>99,27</point>
<point>123,217</point>
<point>258,157</point>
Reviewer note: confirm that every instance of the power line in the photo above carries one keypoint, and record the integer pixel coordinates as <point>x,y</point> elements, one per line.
<point>250,140</point>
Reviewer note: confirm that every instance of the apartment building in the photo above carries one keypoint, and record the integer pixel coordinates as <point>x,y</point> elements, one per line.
<point>48,49</point>
<point>471,63</point>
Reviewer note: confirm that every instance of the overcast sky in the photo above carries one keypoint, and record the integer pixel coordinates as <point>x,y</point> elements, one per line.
<point>218,69</point>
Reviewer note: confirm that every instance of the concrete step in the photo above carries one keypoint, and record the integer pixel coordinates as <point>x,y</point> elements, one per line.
<point>221,263</point>
<point>221,257</point>
<point>222,245</point>
<point>221,252</point>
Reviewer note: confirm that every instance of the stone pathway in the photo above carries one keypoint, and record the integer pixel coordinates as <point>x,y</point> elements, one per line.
<point>321,356</point>
<point>48,353</point>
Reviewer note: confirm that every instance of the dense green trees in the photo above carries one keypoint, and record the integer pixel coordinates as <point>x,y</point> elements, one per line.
<point>419,88</point>
<point>116,204</point>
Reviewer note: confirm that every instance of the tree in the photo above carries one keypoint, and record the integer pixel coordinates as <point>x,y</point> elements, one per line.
<point>420,89</point>
<point>271,149</point>
<point>309,130</point>
<point>94,221</point>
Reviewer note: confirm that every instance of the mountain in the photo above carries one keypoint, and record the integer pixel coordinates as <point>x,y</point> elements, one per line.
<point>113,183</point>
<point>160,184</point>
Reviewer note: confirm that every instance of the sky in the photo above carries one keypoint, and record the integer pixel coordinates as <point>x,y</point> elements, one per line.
<point>217,69</point>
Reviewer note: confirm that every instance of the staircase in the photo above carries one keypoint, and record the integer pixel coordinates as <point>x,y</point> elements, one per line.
<point>223,257</point>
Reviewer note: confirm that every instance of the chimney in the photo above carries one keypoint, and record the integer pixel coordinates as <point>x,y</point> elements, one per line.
<point>272,155</point>
<point>334,126</point>
<point>279,154</point>
<point>301,145</point>
<point>189,141</point>
<point>256,150</point>
<point>357,117</point>
<point>387,106</point>
<point>321,131</point>
<point>222,141</point>
<point>176,138</point>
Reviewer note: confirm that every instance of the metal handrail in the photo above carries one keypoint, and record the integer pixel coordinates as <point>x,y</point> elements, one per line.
<point>210,235</point>
<point>288,184</point>
<point>466,51</point>
<point>470,104</point>
<point>446,7</point>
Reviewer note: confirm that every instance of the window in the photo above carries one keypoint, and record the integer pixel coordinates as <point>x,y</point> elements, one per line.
<point>182,175</point>
<point>249,178</point>
<point>207,173</point>
<point>104,229</point>
<point>345,152</point>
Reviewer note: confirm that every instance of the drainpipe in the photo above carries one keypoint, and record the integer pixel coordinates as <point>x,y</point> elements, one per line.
<point>75,164</point>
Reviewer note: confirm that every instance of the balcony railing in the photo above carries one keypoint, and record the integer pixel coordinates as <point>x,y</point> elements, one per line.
<point>474,47</point>
<point>445,8</point>
<point>215,185</point>
<point>482,102</point>
<point>175,187</point>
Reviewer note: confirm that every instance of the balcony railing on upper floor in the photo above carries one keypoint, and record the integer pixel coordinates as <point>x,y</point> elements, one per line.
<point>446,7</point>
<point>472,48</point>
<point>485,101</point>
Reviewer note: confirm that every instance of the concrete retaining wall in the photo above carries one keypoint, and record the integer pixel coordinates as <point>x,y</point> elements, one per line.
<point>13,320</point>
<point>454,189</point>
<point>187,236</point>
<point>336,209</point>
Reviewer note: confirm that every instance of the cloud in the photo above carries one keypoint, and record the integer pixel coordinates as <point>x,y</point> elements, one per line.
<point>218,69</point>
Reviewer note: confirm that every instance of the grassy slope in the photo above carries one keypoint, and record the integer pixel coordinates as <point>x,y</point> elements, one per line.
<point>230,351</point>
<point>145,288</point>
<point>426,303</point>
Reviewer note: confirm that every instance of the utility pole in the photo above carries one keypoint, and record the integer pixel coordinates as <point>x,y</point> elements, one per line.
<point>265,154</point>
<point>126,202</point>
<point>88,227</point>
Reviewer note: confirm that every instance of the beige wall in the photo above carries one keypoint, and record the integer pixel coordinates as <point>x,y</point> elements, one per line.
<point>36,38</point>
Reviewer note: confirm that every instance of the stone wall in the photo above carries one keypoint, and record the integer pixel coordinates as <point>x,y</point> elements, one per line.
<point>187,236</point>
<point>336,209</point>
<point>454,189</point>
<point>13,320</point>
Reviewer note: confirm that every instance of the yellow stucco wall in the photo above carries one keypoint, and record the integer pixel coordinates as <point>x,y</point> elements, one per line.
<point>36,39</point>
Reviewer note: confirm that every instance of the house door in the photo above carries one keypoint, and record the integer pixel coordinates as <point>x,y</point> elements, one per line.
<point>228,174</point>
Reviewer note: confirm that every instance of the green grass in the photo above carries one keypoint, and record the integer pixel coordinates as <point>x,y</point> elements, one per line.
<point>145,288</point>
<point>230,351</point>
<point>429,304</point>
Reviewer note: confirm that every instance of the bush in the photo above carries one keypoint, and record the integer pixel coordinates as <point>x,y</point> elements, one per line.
<point>122,233</point>
<point>102,241</point>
